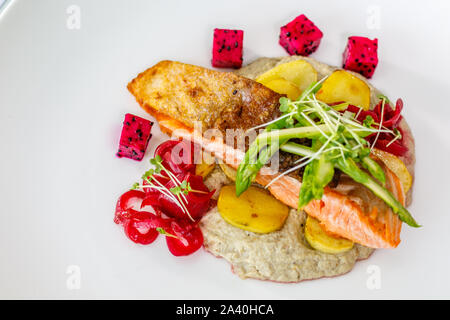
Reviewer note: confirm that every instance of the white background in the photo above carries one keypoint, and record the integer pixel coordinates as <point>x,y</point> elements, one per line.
<point>62,100</point>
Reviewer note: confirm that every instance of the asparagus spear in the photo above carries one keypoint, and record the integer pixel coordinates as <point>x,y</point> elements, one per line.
<point>317,175</point>
<point>265,146</point>
<point>349,167</point>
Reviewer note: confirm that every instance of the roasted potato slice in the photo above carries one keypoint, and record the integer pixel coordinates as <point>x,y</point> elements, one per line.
<point>283,86</point>
<point>396,165</point>
<point>320,240</point>
<point>206,166</point>
<point>229,171</point>
<point>204,169</point>
<point>256,210</point>
<point>298,72</point>
<point>341,86</point>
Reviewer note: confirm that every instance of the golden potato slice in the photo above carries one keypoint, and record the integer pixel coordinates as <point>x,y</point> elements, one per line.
<point>206,166</point>
<point>342,86</point>
<point>283,86</point>
<point>229,171</point>
<point>203,169</point>
<point>396,165</point>
<point>298,72</point>
<point>255,210</point>
<point>320,240</point>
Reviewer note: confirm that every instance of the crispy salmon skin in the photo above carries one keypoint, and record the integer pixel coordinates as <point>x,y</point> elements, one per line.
<point>190,93</point>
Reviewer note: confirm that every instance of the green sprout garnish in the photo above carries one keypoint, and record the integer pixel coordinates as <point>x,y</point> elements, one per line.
<point>177,193</point>
<point>164,232</point>
<point>368,121</point>
<point>383,97</point>
<point>135,186</point>
<point>184,187</point>
<point>157,162</point>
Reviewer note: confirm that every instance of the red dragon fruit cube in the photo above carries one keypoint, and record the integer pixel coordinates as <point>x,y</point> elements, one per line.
<point>227,48</point>
<point>361,56</point>
<point>135,137</point>
<point>300,36</point>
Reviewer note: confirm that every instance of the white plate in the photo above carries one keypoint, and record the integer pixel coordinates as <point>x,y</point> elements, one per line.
<point>62,100</point>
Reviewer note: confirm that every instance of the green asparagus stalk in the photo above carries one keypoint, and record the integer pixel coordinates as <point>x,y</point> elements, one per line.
<point>349,167</point>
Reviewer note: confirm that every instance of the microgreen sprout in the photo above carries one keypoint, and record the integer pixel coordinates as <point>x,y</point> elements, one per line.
<point>383,97</point>
<point>398,135</point>
<point>383,103</point>
<point>177,194</point>
<point>167,234</point>
<point>184,187</point>
<point>135,186</point>
<point>368,121</point>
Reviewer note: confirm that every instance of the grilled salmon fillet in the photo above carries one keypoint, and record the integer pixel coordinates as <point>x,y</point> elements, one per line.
<point>190,93</point>
<point>178,94</point>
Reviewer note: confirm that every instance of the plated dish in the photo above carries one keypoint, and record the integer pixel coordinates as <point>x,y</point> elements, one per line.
<point>288,168</point>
